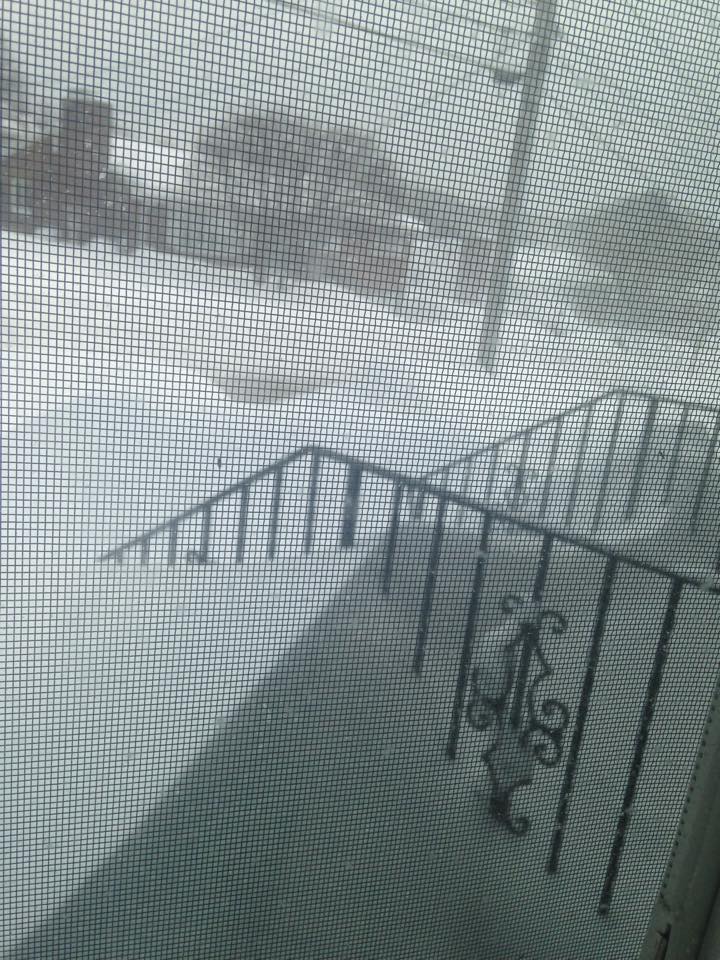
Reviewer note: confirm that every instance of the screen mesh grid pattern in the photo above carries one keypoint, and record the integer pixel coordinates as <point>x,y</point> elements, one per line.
<point>360,484</point>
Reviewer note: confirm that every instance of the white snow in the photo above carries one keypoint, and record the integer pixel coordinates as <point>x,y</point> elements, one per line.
<point>154,169</point>
<point>116,408</point>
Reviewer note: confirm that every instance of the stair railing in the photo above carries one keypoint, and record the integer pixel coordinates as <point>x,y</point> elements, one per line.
<point>605,414</point>
<point>537,723</point>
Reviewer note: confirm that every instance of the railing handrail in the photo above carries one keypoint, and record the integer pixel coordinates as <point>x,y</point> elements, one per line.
<point>421,486</point>
<point>568,412</point>
<point>209,502</point>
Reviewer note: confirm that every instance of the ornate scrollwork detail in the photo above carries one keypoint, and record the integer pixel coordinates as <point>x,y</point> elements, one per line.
<point>501,806</point>
<point>528,730</point>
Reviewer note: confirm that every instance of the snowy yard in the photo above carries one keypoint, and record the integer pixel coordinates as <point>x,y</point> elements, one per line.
<point>135,387</point>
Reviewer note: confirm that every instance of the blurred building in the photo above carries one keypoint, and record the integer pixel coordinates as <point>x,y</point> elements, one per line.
<point>67,181</point>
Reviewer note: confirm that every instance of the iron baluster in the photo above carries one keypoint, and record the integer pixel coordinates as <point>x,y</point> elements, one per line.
<point>275,513</point>
<point>639,471</point>
<point>351,500</point>
<point>600,506</point>
<point>467,649</point>
<point>429,590</point>
<point>465,488</point>
<point>707,467</point>
<point>677,450</point>
<point>312,502</point>
<point>205,537</point>
<point>392,538</point>
<point>651,695</point>
<point>579,462</point>
<point>520,474</point>
<point>202,555</point>
<point>585,695</point>
<point>554,450</point>
<point>543,567</point>
<point>242,525</point>
<point>172,544</point>
<point>492,472</point>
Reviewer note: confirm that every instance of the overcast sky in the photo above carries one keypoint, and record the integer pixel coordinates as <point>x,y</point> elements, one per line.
<point>632,93</point>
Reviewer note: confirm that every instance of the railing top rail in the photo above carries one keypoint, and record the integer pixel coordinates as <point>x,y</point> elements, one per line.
<point>209,502</point>
<point>421,486</point>
<point>568,412</point>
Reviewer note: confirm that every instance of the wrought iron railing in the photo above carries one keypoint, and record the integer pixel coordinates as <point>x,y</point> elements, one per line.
<point>520,714</point>
<point>571,469</point>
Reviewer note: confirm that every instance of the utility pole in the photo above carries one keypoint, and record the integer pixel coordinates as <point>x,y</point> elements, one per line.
<point>543,34</point>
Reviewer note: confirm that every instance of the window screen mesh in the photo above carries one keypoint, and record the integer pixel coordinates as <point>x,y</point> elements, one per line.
<point>360,538</point>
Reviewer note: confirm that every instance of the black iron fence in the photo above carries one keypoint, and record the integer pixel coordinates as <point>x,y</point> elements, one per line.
<point>542,731</point>
<point>594,467</point>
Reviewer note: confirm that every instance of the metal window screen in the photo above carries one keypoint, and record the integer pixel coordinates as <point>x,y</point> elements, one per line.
<point>360,482</point>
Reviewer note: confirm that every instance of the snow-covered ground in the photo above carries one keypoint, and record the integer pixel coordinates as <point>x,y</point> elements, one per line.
<point>135,387</point>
